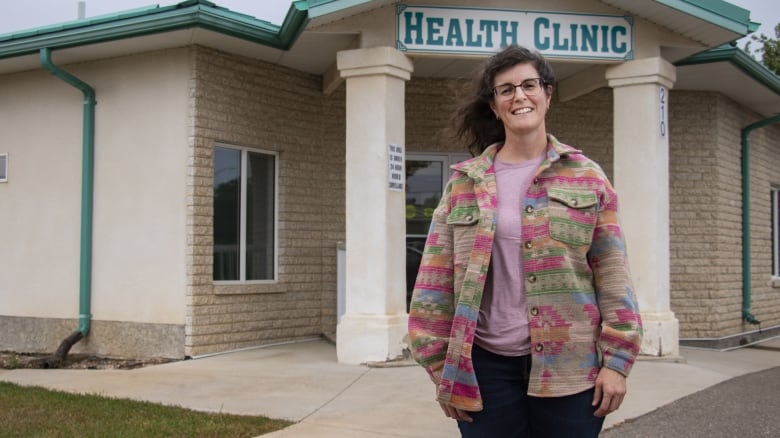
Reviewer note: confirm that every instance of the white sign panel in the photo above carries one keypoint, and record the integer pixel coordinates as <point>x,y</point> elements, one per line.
<point>435,29</point>
<point>395,175</point>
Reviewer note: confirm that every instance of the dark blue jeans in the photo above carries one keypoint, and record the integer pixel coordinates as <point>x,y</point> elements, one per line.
<point>509,412</point>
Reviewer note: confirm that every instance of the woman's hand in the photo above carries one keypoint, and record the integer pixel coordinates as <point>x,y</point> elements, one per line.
<point>455,413</point>
<point>610,390</point>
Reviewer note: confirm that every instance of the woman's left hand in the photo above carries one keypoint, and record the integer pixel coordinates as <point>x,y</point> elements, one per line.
<point>610,390</point>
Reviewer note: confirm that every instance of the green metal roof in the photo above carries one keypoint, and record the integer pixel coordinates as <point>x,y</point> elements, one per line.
<point>740,59</point>
<point>156,19</point>
<point>207,15</point>
<point>718,12</point>
<point>318,8</point>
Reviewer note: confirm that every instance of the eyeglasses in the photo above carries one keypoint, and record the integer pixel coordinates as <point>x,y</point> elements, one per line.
<point>531,87</point>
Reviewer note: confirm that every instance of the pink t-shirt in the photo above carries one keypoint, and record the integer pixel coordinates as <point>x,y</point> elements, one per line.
<point>502,327</point>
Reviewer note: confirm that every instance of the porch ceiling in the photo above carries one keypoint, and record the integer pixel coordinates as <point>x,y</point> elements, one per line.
<point>731,81</point>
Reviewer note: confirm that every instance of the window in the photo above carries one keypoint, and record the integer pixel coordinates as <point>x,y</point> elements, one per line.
<point>775,194</point>
<point>244,214</point>
<point>3,167</point>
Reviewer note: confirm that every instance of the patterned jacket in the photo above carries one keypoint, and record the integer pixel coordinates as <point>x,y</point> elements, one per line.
<point>581,307</point>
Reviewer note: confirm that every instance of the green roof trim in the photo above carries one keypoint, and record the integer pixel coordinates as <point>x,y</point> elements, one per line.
<point>718,12</point>
<point>740,59</point>
<point>318,8</point>
<point>156,19</point>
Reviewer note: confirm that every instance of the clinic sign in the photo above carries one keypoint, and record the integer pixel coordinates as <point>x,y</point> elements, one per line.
<point>455,30</point>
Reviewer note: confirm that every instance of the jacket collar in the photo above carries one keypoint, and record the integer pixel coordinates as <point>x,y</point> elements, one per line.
<point>476,168</point>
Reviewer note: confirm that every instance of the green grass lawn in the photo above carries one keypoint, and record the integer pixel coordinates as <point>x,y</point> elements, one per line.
<point>37,412</point>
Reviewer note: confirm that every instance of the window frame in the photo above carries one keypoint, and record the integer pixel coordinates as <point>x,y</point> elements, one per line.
<point>446,158</point>
<point>775,231</point>
<point>4,177</point>
<point>243,211</point>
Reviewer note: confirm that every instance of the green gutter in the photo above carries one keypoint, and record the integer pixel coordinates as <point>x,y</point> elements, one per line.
<point>87,182</point>
<point>148,21</point>
<point>747,316</point>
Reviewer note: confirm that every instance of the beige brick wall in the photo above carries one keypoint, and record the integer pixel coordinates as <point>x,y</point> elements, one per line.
<point>764,173</point>
<point>430,103</point>
<point>697,278</point>
<point>585,123</point>
<point>332,191</point>
<point>706,215</point>
<point>243,102</point>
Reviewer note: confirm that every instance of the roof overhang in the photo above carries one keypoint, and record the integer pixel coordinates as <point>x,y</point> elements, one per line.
<point>186,23</point>
<point>731,71</point>
<point>153,20</point>
<point>709,22</point>
<point>312,52</point>
<point>297,42</point>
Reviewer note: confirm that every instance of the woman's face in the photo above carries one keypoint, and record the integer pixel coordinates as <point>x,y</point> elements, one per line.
<point>520,113</point>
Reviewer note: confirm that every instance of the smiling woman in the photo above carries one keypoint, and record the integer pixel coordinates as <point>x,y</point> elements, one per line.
<point>523,312</point>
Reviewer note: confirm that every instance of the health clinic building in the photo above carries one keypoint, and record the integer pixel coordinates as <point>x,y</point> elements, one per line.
<point>186,180</point>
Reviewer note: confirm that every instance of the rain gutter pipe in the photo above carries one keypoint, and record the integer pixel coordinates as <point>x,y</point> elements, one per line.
<point>87,183</point>
<point>747,316</point>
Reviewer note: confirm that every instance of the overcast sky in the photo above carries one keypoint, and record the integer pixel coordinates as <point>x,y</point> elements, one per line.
<point>18,15</point>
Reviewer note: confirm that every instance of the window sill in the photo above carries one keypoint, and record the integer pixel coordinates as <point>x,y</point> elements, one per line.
<point>265,287</point>
<point>776,282</point>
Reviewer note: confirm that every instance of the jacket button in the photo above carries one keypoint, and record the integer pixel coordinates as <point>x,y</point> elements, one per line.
<point>534,311</point>
<point>529,208</point>
<point>532,278</point>
<point>529,244</point>
<point>573,202</point>
<point>539,347</point>
<point>469,218</point>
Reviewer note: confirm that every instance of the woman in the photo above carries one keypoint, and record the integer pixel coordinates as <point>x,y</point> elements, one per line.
<point>523,311</point>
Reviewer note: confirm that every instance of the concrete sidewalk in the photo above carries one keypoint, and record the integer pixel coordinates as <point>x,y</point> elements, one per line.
<point>304,383</point>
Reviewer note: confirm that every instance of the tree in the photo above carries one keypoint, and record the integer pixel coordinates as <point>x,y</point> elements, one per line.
<point>769,49</point>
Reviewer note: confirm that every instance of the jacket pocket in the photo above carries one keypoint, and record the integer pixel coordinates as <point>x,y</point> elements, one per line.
<point>463,220</point>
<point>572,214</point>
<point>463,215</point>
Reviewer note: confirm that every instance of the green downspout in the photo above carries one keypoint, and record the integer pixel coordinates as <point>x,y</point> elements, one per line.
<point>87,178</point>
<point>747,316</point>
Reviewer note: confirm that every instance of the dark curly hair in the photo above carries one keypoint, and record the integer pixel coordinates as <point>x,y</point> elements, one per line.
<point>474,121</point>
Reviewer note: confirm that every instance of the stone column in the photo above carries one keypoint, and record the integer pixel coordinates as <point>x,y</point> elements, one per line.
<point>641,163</point>
<point>373,327</point>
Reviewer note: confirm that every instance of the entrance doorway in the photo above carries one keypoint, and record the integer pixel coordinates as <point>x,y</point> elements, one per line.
<point>426,177</point>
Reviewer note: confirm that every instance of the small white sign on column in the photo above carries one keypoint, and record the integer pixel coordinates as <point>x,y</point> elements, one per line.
<point>395,175</point>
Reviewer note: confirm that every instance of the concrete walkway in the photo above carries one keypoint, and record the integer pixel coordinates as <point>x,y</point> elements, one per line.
<point>304,383</point>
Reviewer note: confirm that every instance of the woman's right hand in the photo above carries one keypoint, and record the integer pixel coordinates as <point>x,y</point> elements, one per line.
<point>455,413</point>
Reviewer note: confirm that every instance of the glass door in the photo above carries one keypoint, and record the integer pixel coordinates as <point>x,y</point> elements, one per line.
<point>426,176</point>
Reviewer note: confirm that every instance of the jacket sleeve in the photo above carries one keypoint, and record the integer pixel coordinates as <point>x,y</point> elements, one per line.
<point>621,327</point>
<point>431,309</point>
